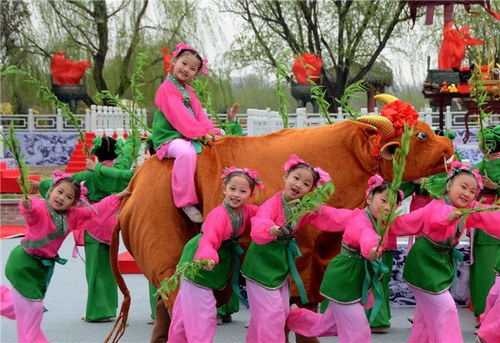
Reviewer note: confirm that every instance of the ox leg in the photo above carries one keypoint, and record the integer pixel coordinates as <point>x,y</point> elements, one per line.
<point>162,323</point>
<point>299,338</point>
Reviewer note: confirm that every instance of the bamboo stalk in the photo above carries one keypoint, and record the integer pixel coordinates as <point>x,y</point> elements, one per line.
<point>190,269</point>
<point>12,144</point>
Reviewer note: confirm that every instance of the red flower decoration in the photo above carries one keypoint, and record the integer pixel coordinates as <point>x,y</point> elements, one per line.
<point>399,113</point>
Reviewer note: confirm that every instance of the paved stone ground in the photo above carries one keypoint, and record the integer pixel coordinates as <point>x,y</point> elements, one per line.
<point>66,296</point>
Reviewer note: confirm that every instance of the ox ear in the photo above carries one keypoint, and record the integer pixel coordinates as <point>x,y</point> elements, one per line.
<point>387,151</point>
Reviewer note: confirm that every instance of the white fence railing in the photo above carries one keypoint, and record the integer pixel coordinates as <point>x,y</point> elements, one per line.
<point>96,118</point>
<point>111,120</point>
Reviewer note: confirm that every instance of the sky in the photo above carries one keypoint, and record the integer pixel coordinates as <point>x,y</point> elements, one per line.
<point>408,71</point>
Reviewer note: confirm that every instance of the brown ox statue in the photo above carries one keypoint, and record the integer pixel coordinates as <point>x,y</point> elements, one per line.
<point>155,231</point>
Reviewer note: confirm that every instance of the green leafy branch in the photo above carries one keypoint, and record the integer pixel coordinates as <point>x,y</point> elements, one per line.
<point>185,269</point>
<point>495,207</point>
<point>201,89</point>
<point>310,202</point>
<point>45,94</point>
<point>479,96</point>
<point>398,165</point>
<point>282,72</point>
<point>12,144</point>
<point>136,85</point>
<point>318,93</point>
<point>352,91</point>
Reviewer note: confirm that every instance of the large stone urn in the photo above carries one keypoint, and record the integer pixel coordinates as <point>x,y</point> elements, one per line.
<point>70,94</point>
<point>302,93</point>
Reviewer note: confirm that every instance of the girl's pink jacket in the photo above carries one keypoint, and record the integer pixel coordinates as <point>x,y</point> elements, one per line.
<point>432,221</point>
<point>40,223</point>
<point>271,213</point>
<point>218,228</point>
<point>169,102</point>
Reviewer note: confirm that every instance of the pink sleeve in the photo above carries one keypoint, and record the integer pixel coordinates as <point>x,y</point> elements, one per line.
<point>487,221</point>
<point>330,219</point>
<point>200,114</point>
<point>216,228</point>
<point>266,217</point>
<point>408,224</point>
<point>31,216</point>
<point>169,102</point>
<point>368,240</point>
<point>105,208</point>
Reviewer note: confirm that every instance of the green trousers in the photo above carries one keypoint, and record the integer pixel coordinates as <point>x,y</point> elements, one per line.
<point>102,294</point>
<point>231,307</point>
<point>482,275</point>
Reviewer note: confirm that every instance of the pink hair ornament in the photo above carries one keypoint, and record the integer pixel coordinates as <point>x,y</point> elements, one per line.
<point>252,174</point>
<point>293,160</point>
<point>182,46</point>
<point>376,181</point>
<point>457,167</point>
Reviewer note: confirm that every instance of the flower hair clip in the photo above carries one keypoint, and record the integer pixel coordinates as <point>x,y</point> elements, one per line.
<point>59,175</point>
<point>252,174</point>
<point>458,167</point>
<point>373,182</point>
<point>182,46</point>
<point>376,181</point>
<point>293,160</point>
<point>83,197</point>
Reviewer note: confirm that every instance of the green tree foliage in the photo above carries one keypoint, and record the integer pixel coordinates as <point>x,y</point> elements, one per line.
<point>344,33</point>
<point>110,34</point>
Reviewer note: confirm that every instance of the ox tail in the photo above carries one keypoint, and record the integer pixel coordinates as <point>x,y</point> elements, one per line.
<point>121,321</point>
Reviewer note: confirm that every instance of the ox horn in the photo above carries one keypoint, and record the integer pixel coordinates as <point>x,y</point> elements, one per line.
<point>382,123</point>
<point>385,98</point>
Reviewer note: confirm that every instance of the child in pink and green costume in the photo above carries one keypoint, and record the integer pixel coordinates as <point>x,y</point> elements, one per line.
<point>431,264</point>
<point>351,276</point>
<point>194,317</point>
<point>179,124</point>
<point>484,246</point>
<point>270,259</point>
<point>31,264</point>
<point>489,331</point>
<point>110,175</point>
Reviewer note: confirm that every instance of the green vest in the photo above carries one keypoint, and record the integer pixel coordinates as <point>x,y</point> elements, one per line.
<point>431,266</point>
<point>344,276</point>
<point>218,276</point>
<point>267,264</point>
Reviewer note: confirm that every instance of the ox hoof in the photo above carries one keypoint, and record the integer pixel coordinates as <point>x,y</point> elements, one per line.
<point>193,213</point>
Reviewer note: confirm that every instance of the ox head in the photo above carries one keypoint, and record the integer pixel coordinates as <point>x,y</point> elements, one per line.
<point>428,155</point>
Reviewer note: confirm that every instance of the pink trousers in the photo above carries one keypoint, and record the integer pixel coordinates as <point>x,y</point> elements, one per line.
<point>348,322</point>
<point>490,319</point>
<point>269,309</point>
<point>436,319</point>
<point>183,188</point>
<point>27,313</point>
<point>194,316</point>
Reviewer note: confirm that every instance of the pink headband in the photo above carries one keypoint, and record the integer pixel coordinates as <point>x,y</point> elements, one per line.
<point>377,181</point>
<point>458,167</point>
<point>252,174</point>
<point>294,160</point>
<point>182,46</point>
<point>59,175</point>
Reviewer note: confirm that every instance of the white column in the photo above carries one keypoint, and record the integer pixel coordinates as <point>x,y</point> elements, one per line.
<point>447,118</point>
<point>31,121</point>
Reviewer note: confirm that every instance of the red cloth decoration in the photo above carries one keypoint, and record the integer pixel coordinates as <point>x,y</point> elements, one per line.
<point>67,72</point>
<point>453,46</point>
<point>399,113</point>
<point>166,60</point>
<point>448,8</point>
<point>307,65</point>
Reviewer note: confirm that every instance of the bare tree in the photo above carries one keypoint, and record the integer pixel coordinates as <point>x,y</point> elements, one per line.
<point>343,33</point>
<point>112,32</point>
